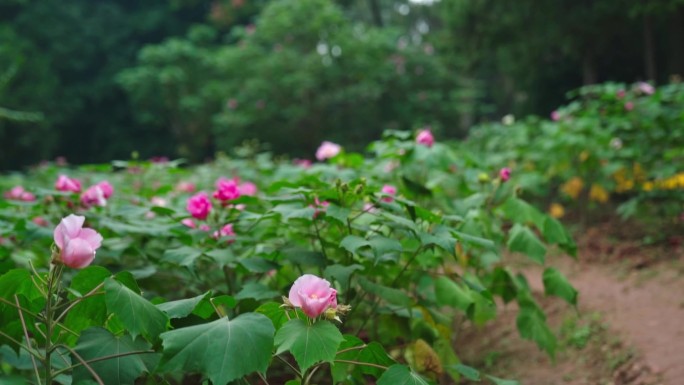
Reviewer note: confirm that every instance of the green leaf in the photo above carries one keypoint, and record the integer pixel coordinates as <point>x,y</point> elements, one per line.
<point>401,375</point>
<point>257,291</point>
<point>352,243</point>
<point>383,245</point>
<point>97,342</point>
<point>474,240</point>
<point>449,293</point>
<point>309,344</point>
<point>275,313</point>
<point>521,212</point>
<point>205,309</point>
<point>556,284</point>
<point>532,325</point>
<point>523,240</point>
<point>468,372</point>
<point>341,273</point>
<point>223,350</point>
<point>183,307</point>
<point>338,213</point>
<point>137,314</point>
<point>184,256</point>
<point>391,295</point>
<point>501,381</point>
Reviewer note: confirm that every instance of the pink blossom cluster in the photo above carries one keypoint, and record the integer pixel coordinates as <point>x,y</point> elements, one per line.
<point>18,193</point>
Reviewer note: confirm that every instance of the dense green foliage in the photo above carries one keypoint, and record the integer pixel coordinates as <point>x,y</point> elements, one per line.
<point>414,262</point>
<point>190,78</point>
<point>611,143</point>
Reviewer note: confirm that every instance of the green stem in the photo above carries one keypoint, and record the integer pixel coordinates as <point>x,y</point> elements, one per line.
<point>75,302</point>
<point>299,374</point>
<point>28,340</point>
<point>82,362</point>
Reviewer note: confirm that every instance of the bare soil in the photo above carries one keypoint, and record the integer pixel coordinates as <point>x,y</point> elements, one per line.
<point>628,328</point>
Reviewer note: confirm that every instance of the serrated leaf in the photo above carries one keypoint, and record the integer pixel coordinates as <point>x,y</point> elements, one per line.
<point>401,375</point>
<point>223,350</point>
<point>97,342</point>
<point>556,284</point>
<point>309,344</point>
<point>183,307</point>
<point>137,314</point>
<point>523,240</point>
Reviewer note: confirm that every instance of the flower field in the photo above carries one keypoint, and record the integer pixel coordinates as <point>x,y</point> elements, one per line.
<point>353,268</point>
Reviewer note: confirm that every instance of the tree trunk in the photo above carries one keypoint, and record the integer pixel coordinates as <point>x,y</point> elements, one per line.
<point>676,51</point>
<point>649,49</point>
<point>375,11</point>
<point>589,71</point>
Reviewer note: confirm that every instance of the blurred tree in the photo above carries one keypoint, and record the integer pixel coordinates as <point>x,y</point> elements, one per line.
<point>302,74</point>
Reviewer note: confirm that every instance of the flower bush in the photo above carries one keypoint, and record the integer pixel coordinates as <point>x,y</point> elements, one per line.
<point>376,266</point>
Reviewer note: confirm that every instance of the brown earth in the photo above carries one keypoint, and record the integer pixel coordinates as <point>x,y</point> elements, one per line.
<point>628,330</point>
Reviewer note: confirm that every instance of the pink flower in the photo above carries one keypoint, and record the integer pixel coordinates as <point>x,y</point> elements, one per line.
<point>389,190</point>
<point>327,150</point>
<point>620,94</point>
<point>158,201</point>
<point>555,115</point>
<point>313,295</point>
<point>189,223</point>
<point>227,189</point>
<point>247,188</point>
<point>185,187</point>
<point>40,221</point>
<point>302,162</point>
<point>646,88</point>
<point>77,244</point>
<point>225,231</point>
<point>505,174</point>
<point>232,104</point>
<point>319,207</point>
<point>64,183</point>
<point>204,227</point>
<point>19,194</point>
<point>107,189</point>
<point>629,106</point>
<point>199,205</point>
<point>94,196</point>
<point>425,138</point>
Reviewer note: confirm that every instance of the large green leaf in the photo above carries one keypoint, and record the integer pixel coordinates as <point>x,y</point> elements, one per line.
<point>309,344</point>
<point>184,256</point>
<point>224,349</point>
<point>523,240</point>
<point>556,284</point>
<point>137,314</point>
<point>96,342</point>
<point>401,375</point>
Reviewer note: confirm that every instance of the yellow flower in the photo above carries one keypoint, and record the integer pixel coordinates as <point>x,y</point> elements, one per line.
<point>584,155</point>
<point>556,210</point>
<point>648,186</point>
<point>573,187</point>
<point>598,194</point>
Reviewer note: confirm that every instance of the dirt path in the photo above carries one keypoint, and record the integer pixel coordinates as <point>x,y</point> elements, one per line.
<point>645,307</point>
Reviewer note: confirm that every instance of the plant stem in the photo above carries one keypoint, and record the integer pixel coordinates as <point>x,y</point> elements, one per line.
<point>290,365</point>
<point>28,340</point>
<point>362,364</point>
<point>75,302</point>
<point>103,358</point>
<point>84,363</point>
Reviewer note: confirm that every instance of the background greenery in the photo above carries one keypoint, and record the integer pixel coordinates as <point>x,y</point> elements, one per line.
<point>93,81</point>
